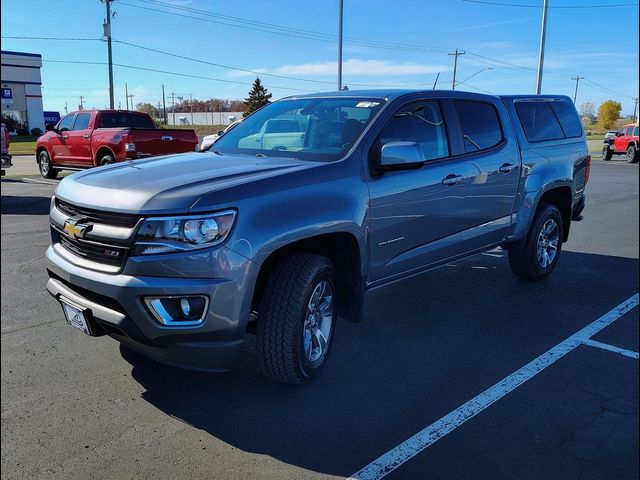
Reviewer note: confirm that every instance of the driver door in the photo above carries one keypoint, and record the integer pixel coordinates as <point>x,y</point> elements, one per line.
<point>416,215</point>
<point>59,147</point>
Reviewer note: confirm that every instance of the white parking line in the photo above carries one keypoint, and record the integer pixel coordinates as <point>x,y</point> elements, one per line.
<point>408,449</point>
<point>34,180</point>
<point>612,348</point>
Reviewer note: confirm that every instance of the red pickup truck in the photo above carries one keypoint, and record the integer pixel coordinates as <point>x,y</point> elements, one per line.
<point>90,138</point>
<point>625,142</point>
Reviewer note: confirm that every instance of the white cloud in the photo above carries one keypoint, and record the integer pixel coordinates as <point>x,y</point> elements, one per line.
<point>354,66</point>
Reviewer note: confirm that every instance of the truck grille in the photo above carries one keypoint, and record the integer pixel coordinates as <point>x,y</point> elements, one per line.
<point>108,254</point>
<point>105,238</point>
<point>94,216</point>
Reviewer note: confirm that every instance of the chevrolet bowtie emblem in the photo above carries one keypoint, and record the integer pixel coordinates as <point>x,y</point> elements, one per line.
<point>74,229</point>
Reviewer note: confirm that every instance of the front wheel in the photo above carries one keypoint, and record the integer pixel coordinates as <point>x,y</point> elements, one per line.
<point>632,154</point>
<point>607,153</point>
<point>297,318</point>
<point>537,255</point>
<point>45,166</point>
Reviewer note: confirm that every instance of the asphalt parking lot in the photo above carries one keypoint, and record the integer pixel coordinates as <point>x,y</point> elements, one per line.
<point>80,407</point>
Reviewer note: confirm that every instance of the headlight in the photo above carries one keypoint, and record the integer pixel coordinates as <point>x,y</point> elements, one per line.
<point>175,234</point>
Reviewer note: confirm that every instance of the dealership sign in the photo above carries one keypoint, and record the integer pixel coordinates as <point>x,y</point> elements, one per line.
<point>7,96</point>
<point>51,117</point>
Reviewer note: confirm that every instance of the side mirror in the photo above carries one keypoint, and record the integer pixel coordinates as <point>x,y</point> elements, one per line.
<point>401,156</point>
<point>50,127</point>
<point>618,134</point>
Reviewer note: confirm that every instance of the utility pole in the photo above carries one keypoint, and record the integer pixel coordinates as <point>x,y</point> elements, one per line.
<point>66,110</point>
<point>436,81</point>
<point>81,102</point>
<point>107,33</point>
<point>340,2</point>
<point>455,54</point>
<point>635,109</point>
<point>577,78</point>
<point>543,35</point>
<point>131,95</point>
<point>191,107</point>
<point>164,106</point>
<point>126,94</point>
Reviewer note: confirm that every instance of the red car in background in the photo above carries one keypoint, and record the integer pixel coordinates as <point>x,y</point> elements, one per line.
<point>625,142</point>
<point>90,138</point>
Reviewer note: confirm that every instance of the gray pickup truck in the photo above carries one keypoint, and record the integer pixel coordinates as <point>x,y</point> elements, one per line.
<point>292,216</point>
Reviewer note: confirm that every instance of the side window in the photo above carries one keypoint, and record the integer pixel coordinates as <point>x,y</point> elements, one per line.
<point>420,123</point>
<point>621,131</point>
<point>66,123</point>
<point>568,118</point>
<point>635,131</point>
<point>538,121</point>
<point>628,132</point>
<point>82,121</point>
<point>480,125</point>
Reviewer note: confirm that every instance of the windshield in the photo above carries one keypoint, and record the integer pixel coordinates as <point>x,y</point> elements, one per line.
<point>321,129</point>
<point>125,120</point>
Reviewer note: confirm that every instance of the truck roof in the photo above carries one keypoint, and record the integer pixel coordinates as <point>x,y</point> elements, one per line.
<point>107,110</point>
<point>392,94</point>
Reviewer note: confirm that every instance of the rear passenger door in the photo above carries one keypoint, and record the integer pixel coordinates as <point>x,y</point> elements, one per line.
<point>494,162</point>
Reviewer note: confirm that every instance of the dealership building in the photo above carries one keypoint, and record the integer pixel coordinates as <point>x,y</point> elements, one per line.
<point>21,86</point>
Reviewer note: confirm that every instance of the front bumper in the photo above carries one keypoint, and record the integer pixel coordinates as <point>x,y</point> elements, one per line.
<point>116,302</point>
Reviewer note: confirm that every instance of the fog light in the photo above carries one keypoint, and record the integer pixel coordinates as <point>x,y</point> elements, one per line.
<point>185,307</point>
<point>187,311</point>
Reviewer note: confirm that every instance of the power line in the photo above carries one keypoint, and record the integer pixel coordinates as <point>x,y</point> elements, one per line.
<point>501,4</point>
<point>167,72</point>
<point>285,31</point>
<point>229,67</point>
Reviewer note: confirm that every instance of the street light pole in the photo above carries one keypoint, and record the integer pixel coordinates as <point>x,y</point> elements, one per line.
<point>107,33</point>
<point>543,35</point>
<point>340,2</point>
<point>477,73</point>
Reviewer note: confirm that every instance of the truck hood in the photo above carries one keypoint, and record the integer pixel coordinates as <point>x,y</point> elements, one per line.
<point>170,184</point>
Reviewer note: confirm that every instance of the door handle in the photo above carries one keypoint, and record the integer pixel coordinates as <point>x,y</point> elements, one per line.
<point>65,136</point>
<point>506,167</point>
<point>86,136</point>
<point>451,180</point>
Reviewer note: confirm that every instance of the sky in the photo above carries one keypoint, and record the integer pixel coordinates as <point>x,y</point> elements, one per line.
<point>293,44</point>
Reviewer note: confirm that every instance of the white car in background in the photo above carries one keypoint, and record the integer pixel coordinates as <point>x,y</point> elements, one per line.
<point>209,140</point>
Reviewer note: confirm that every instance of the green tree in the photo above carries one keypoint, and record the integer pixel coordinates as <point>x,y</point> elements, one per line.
<point>608,113</point>
<point>258,98</point>
<point>146,108</point>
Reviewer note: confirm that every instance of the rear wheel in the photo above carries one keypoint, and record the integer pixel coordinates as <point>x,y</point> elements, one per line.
<point>297,318</point>
<point>632,154</point>
<point>45,166</point>
<point>106,160</point>
<point>537,255</point>
<point>607,153</point>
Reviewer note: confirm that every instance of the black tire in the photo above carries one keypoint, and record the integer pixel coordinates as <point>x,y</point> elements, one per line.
<point>282,316</point>
<point>523,255</point>
<point>632,153</point>
<point>106,160</point>
<point>607,153</point>
<point>45,166</point>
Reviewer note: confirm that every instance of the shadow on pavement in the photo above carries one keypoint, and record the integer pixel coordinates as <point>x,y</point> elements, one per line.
<point>24,205</point>
<point>424,347</point>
